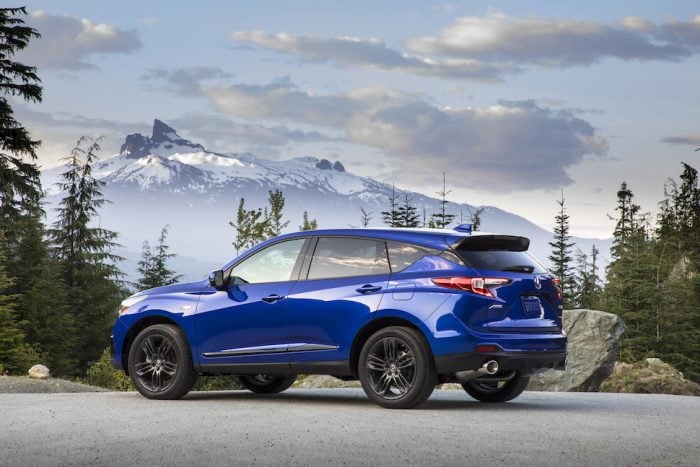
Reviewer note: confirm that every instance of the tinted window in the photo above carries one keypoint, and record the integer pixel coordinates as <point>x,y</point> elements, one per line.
<point>273,264</point>
<point>502,260</point>
<point>345,257</point>
<point>402,255</point>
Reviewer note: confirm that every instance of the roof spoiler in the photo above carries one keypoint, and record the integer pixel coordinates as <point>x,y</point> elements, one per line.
<point>492,242</point>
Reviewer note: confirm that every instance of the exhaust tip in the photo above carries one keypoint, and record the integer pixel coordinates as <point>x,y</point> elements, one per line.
<point>491,367</point>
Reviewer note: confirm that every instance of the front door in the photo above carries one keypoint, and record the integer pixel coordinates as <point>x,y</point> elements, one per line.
<point>246,323</point>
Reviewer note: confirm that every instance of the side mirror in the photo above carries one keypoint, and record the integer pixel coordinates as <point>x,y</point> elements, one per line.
<point>217,280</point>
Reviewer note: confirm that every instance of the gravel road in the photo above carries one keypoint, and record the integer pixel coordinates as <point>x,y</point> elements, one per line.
<point>341,427</point>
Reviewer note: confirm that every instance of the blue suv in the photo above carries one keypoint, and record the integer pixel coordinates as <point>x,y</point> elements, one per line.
<point>402,310</point>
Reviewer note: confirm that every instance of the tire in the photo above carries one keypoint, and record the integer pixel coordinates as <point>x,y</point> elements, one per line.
<point>497,391</point>
<point>396,368</point>
<point>266,384</point>
<point>160,363</point>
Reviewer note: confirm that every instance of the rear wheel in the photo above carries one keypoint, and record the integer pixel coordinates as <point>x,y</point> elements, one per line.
<point>267,384</point>
<point>160,363</point>
<point>496,391</point>
<point>396,368</point>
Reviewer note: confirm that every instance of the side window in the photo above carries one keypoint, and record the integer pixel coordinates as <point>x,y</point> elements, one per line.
<point>346,257</point>
<point>402,255</point>
<point>273,264</point>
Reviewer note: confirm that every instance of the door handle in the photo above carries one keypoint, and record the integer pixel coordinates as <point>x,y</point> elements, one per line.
<point>272,298</point>
<point>369,288</point>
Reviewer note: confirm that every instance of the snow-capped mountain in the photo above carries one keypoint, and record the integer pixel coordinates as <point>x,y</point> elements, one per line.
<point>164,179</point>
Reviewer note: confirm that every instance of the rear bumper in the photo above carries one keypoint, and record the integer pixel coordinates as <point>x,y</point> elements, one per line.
<point>525,361</point>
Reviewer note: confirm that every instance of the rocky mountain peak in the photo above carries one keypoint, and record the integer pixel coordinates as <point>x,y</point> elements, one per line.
<point>136,146</point>
<point>325,164</point>
<point>163,141</point>
<point>163,132</point>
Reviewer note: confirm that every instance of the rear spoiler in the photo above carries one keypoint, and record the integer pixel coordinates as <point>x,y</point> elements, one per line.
<point>492,242</point>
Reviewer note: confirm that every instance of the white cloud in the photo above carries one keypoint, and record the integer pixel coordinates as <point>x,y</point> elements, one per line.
<point>509,146</point>
<point>635,23</point>
<point>216,130</point>
<point>556,42</point>
<point>692,139</point>
<point>372,54</point>
<point>185,81</point>
<point>68,42</point>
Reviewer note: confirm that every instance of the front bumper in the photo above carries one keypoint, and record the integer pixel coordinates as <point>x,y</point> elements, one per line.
<point>525,361</point>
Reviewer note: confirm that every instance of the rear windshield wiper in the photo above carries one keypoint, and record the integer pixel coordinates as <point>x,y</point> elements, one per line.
<point>520,268</point>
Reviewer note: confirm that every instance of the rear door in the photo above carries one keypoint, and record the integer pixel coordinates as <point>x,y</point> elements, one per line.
<point>342,283</point>
<point>530,302</point>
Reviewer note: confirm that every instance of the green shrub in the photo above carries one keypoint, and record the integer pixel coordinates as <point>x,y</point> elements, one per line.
<point>217,383</point>
<point>650,376</point>
<point>101,373</point>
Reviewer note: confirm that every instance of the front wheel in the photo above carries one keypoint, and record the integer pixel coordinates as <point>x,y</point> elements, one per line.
<point>497,391</point>
<point>160,363</point>
<point>266,384</point>
<point>396,368</point>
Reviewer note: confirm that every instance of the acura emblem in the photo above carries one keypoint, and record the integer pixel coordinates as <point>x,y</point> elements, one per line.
<point>538,283</point>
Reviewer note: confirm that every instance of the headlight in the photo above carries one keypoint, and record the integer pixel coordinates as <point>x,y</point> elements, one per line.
<point>133,300</point>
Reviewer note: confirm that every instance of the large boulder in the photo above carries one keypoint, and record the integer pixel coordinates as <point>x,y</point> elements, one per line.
<point>593,341</point>
<point>39,372</point>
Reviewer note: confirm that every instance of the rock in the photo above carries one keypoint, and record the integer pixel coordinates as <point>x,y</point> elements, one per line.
<point>593,341</point>
<point>338,166</point>
<point>324,164</point>
<point>39,372</point>
<point>136,146</point>
<point>650,376</point>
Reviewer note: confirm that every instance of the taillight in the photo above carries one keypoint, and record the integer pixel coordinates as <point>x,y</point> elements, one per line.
<point>478,285</point>
<point>557,284</point>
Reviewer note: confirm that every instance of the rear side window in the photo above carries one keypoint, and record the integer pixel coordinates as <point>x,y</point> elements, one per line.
<point>402,255</point>
<point>347,257</point>
<point>499,253</point>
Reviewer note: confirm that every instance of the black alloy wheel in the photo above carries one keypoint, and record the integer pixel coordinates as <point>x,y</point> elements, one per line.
<point>267,384</point>
<point>396,368</point>
<point>497,390</point>
<point>160,363</point>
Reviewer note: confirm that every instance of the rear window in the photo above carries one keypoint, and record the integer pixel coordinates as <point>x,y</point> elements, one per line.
<point>502,260</point>
<point>499,253</point>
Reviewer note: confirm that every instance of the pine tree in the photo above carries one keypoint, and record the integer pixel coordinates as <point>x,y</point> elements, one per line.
<point>391,217</point>
<point>250,225</point>
<point>588,288</point>
<point>15,354</point>
<point>628,222</point>
<point>475,217</point>
<point>43,301</point>
<point>88,266</point>
<point>629,291</point>
<point>153,264</point>
<point>275,226</point>
<point>561,258</point>
<point>365,217</point>
<point>676,323</point>
<point>442,219</point>
<point>19,178</point>
<point>308,224</point>
<point>407,214</point>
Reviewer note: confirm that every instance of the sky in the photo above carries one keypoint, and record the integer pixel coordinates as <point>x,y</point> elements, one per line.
<point>514,100</point>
